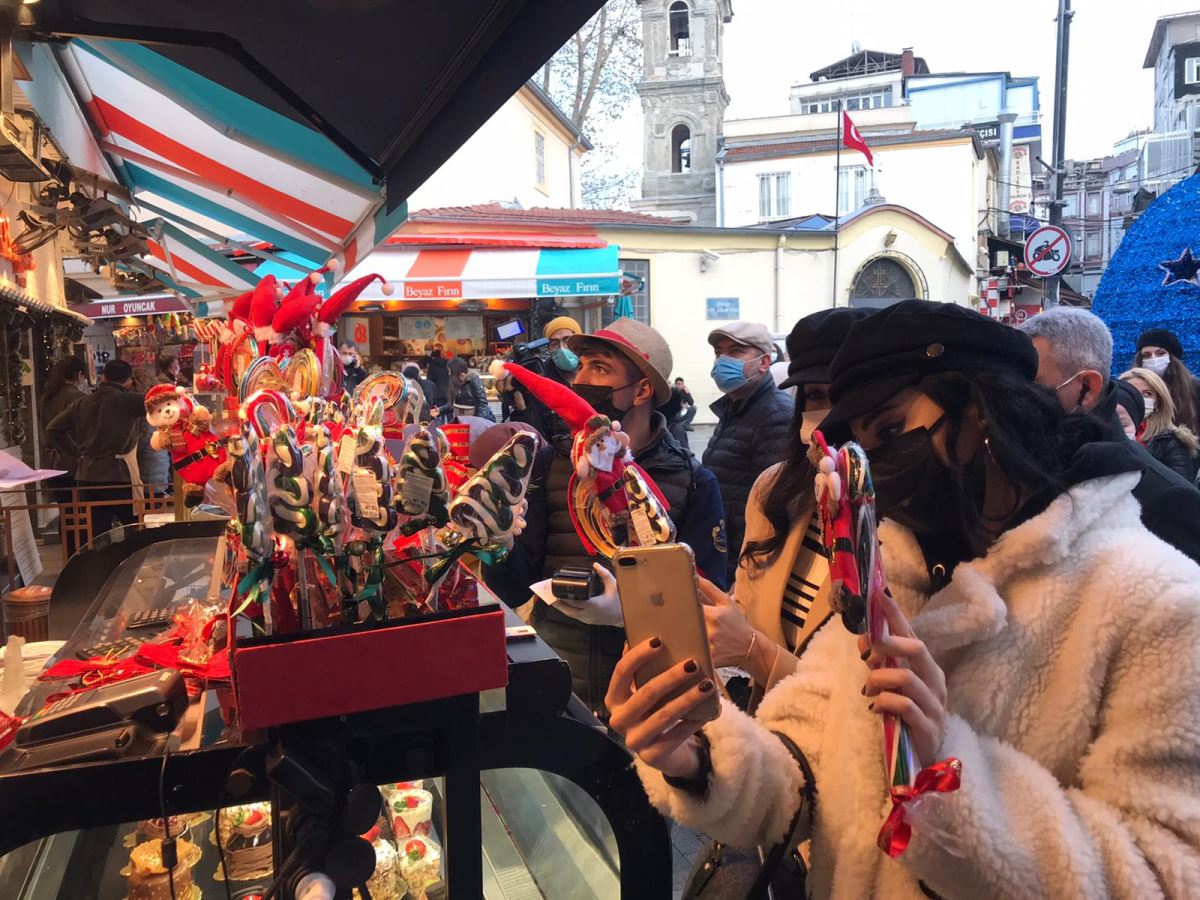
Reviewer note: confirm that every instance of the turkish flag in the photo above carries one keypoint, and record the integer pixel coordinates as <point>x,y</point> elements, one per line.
<point>852,140</point>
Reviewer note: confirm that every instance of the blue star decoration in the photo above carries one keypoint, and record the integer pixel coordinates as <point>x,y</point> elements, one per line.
<point>1133,294</point>
<point>1184,269</point>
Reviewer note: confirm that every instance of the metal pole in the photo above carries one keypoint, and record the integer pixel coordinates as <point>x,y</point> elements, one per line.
<point>837,194</point>
<point>1050,298</point>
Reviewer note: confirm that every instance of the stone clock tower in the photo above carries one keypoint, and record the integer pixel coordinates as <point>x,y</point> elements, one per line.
<point>683,103</point>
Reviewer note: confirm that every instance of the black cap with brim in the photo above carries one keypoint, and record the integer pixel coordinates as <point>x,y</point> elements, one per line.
<point>898,346</point>
<point>814,341</point>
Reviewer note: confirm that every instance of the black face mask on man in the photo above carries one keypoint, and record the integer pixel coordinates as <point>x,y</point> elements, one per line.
<point>914,488</point>
<point>600,398</point>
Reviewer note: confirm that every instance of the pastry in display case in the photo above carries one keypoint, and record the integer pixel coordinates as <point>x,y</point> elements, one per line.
<point>245,836</point>
<point>411,812</point>
<point>420,864</point>
<point>151,879</point>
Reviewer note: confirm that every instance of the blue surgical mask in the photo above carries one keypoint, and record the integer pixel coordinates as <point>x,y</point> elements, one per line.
<point>564,360</point>
<point>729,373</point>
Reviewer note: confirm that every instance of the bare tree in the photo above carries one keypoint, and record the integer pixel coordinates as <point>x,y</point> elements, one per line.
<point>593,78</point>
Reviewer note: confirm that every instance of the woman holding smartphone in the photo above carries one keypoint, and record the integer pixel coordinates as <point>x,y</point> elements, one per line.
<point>781,593</point>
<point>1045,638</point>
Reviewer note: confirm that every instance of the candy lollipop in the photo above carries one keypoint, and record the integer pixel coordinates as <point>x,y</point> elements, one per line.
<point>651,524</point>
<point>488,511</point>
<point>249,485</point>
<point>289,493</point>
<point>371,494</point>
<point>329,500</point>
<point>421,487</point>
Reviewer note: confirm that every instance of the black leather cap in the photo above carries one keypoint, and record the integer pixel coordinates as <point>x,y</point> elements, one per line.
<point>815,340</point>
<point>898,346</point>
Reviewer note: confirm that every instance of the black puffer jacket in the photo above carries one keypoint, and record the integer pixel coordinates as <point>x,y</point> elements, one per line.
<point>751,436</point>
<point>1173,453</point>
<point>550,542</point>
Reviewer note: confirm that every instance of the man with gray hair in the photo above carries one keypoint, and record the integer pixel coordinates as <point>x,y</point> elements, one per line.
<point>1074,360</point>
<point>1074,355</point>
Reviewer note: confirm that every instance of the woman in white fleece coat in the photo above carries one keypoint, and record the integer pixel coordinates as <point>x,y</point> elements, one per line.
<point>1056,653</point>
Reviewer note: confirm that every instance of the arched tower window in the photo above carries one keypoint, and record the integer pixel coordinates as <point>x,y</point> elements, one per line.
<point>681,149</point>
<point>679,19</point>
<point>882,281</point>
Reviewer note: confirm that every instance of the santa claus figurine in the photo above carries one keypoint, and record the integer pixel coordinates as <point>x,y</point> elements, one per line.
<point>599,452</point>
<point>184,429</point>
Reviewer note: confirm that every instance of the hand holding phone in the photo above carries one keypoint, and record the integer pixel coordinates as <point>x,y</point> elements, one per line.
<point>660,598</point>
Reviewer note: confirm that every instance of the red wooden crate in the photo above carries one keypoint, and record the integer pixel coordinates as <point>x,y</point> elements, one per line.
<point>390,664</point>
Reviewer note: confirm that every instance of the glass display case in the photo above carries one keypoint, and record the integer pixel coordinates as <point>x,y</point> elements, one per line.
<point>516,793</point>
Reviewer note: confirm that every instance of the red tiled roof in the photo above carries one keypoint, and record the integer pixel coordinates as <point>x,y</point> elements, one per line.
<point>539,216</point>
<point>772,149</point>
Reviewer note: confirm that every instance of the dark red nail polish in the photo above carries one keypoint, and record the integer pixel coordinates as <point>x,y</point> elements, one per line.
<point>866,653</point>
<point>864,690</point>
<point>655,643</point>
<point>690,666</point>
<point>705,686</point>
<point>871,707</point>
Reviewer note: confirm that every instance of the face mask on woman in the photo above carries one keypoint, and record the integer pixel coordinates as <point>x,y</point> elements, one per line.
<point>1157,364</point>
<point>914,488</point>
<point>1150,404</point>
<point>729,373</point>
<point>811,421</point>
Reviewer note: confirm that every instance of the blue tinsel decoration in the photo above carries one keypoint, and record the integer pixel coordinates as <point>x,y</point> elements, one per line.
<point>1131,296</point>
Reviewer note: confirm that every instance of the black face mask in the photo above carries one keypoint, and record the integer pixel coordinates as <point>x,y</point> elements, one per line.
<point>915,489</point>
<point>600,398</point>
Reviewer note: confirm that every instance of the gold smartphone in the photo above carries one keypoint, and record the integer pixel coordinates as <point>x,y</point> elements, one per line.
<point>660,597</point>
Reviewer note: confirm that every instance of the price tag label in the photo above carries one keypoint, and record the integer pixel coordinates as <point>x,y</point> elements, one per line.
<point>366,494</point>
<point>346,454</point>
<point>415,493</point>
<point>641,527</point>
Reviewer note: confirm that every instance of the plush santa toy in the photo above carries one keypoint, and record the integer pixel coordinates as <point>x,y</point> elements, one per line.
<point>184,429</point>
<point>600,452</point>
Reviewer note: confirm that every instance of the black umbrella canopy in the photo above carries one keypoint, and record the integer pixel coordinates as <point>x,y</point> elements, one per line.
<point>398,85</point>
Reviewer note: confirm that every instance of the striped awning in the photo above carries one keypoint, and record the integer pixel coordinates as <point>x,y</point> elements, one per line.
<point>482,274</point>
<point>218,165</point>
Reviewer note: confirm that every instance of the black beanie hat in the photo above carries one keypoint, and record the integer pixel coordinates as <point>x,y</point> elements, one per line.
<point>1160,337</point>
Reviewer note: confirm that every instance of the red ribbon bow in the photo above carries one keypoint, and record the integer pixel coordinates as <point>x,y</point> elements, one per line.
<point>940,778</point>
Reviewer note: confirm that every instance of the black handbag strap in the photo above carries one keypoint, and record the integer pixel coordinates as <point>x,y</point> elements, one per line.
<point>803,817</point>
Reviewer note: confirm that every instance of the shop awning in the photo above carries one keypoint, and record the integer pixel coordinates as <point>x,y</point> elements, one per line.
<point>183,258</point>
<point>483,274</point>
<point>305,125</point>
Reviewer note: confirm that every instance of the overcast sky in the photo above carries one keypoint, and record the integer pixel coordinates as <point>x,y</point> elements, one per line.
<point>773,43</point>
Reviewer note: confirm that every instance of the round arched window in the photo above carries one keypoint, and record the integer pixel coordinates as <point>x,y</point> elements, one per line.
<point>883,279</point>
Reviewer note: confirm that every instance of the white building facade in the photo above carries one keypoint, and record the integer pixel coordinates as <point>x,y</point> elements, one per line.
<point>528,154</point>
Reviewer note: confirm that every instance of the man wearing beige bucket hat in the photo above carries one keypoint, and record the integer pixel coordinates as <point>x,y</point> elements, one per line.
<point>623,372</point>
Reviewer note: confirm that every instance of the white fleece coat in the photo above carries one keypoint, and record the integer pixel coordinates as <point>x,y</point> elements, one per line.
<point>1072,661</point>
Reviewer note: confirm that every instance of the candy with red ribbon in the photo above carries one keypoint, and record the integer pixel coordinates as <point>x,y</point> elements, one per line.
<point>940,778</point>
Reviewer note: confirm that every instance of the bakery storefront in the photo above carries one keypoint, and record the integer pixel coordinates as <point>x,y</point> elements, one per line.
<point>472,301</point>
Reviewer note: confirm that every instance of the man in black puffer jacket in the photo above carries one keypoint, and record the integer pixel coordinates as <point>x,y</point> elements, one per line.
<point>754,419</point>
<point>626,386</point>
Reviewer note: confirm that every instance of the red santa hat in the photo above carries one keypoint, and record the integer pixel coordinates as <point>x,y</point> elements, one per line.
<point>332,309</point>
<point>293,314</point>
<point>239,306</point>
<point>262,307</point>
<point>161,393</point>
<point>572,408</point>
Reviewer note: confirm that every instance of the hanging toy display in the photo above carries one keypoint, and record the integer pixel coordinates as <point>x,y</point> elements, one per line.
<point>184,429</point>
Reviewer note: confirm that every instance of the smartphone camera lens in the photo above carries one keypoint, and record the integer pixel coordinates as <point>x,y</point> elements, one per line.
<point>627,561</point>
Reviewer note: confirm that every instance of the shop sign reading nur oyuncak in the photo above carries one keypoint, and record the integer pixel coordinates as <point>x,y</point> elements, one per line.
<point>138,306</point>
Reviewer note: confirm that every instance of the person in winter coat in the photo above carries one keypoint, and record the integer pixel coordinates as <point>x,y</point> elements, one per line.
<point>470,397</point>
<point>753,419</point>
<point>623,375</point>
<point>781,593</point>
<point>98,430</point>
<point>1175,446</point>
<point>1047,641</point>
<point>352,367</point>
<point>1074,359</point>
<point>438,372</point>
<point>1160,351</point>
<point>66,385</point>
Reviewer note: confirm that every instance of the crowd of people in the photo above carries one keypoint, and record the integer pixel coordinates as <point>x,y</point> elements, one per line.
<point>1040,530</point>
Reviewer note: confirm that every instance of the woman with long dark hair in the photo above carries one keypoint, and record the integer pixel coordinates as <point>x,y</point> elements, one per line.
<point>1161,352</point>
<point>1045,639</point>
<point>781,591</point>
